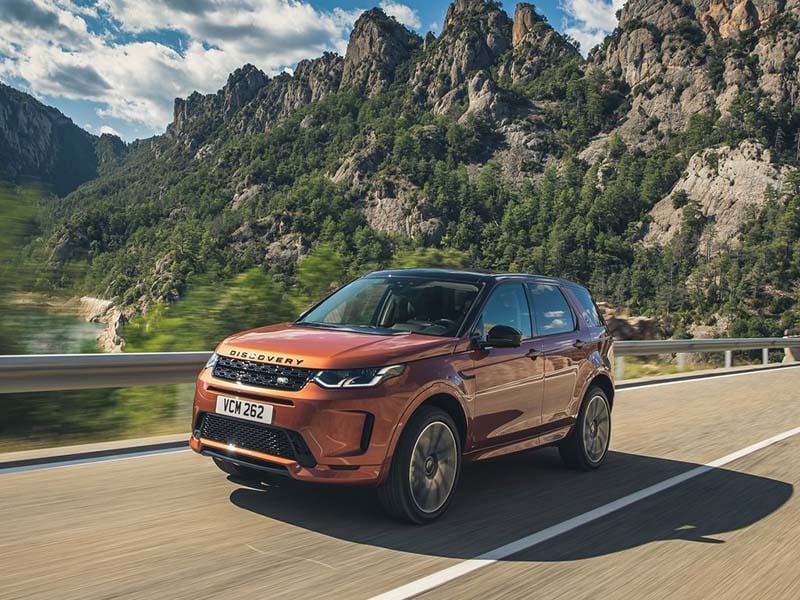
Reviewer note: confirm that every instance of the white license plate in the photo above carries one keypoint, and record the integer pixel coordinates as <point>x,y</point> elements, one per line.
<point>244,409</point>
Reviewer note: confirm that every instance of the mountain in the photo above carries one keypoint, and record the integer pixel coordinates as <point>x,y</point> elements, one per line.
<point>39,144</point>
<point>653,171</point>
<point>683,58</point>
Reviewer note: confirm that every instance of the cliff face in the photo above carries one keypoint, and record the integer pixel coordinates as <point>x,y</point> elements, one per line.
<point>377,46</point>
<point>39,144</point>
<point>536,46</point>
<point>689,57</point>
<point>474,36</point>
<point>725,183</point>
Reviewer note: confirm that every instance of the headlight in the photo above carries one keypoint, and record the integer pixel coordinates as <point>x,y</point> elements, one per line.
<point>350,378</point>
<point>212,361</point>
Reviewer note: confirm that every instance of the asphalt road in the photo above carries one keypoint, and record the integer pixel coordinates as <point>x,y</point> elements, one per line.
<point>172,526</point>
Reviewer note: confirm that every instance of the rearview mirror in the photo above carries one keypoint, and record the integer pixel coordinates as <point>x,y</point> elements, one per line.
<point>503,336</point>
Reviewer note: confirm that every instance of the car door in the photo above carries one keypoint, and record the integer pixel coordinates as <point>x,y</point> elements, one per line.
<point>561,351</point>
<point>508,381</point>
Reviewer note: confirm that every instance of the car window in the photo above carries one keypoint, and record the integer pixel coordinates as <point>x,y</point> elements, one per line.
<point>551,311</point>
<point>587,306</point>
<point>506,306</point>
<point>389,305</point>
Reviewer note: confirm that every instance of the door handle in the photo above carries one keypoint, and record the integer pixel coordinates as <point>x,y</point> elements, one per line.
<point>534,354</point>
<point>581,344</point>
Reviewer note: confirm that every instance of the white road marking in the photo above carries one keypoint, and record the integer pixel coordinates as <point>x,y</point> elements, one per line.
<point>89,460</point>
<point>484,560</point>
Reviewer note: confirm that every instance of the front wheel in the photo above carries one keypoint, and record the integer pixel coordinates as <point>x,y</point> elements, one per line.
<point>586,446</point>
<point>425,468</point>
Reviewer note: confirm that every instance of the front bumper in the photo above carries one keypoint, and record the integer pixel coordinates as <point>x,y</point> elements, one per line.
<point>347,431</point>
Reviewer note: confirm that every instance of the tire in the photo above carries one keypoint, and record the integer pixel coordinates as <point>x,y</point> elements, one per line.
<point>238,471</point>
<point>425,468</point>
<point>586,447</point>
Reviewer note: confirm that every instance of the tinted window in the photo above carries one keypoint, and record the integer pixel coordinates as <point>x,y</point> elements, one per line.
<point>506,306</point>
<point>551,311</point>
<point>587,306</point>
<point>396,304</point>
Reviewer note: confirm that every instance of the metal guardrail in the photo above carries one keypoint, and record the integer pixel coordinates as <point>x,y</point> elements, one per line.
<point>645,347</point>
<point>51,372</point>
<point>682,347</point>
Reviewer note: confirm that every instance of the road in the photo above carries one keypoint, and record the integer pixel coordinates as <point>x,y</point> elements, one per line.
<point>172,526</point>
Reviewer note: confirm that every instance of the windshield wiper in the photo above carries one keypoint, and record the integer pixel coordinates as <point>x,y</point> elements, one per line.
<point>317,324</point>
<point>373,329</point>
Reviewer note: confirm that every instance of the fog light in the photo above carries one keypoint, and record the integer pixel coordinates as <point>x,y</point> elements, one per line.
<point>196,434</point>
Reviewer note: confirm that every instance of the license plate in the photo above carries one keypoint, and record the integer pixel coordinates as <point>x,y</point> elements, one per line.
<point>244,409</point>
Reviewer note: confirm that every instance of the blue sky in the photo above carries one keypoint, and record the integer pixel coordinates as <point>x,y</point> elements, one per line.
<point>117,65</point>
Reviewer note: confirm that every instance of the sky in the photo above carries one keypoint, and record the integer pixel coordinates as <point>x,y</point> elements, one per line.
<point>116,66</point>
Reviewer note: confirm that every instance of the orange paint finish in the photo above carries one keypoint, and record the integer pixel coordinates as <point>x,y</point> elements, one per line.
<point>503,399</point>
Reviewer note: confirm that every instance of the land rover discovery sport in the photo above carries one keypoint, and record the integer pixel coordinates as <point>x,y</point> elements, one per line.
<point>399,377</point>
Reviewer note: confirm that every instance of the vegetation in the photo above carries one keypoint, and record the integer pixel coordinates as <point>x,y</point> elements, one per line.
<point>208,246</point>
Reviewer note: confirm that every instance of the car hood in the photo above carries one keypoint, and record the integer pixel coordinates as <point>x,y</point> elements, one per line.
<point>318,348</point>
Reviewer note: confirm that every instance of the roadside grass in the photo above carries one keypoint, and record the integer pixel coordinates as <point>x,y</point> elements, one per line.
<point>43,420</point>
<point>638,367</point>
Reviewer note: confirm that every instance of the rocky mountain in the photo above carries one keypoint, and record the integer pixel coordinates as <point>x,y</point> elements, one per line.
<point>39,144</point>
<point>684,57</point>
<point>730,58</point>
<point>727,183</point>
<point>495,139</point>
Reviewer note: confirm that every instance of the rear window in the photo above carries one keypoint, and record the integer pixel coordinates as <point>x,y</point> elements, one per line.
<point>587,306</point>
<point>551,310</point>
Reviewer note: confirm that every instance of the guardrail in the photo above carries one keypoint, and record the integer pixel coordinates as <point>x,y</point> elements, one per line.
<point>683,347</point>
<point>51,372</point>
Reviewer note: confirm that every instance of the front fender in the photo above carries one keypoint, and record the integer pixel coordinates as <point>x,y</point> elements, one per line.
<point>429,391</point>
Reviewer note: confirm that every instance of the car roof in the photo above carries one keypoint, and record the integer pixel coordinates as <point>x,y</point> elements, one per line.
<point>464,275</point>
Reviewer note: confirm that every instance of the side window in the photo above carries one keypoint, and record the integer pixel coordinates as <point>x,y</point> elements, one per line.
<point>587,306</point>
<point>551,311</point>
<point>506,306</point>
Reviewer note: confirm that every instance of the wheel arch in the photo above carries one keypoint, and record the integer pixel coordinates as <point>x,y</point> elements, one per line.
<point>449,404</point>
<point>440,395</point>
<point>603,381</point>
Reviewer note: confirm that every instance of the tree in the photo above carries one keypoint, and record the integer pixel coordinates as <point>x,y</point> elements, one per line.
<point>16,211</point>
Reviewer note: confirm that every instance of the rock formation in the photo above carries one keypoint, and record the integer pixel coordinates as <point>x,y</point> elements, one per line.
<point>378,44</point>
<point>39,144</point>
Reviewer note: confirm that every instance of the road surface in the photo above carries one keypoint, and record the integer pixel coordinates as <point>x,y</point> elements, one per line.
<point>172,525</point>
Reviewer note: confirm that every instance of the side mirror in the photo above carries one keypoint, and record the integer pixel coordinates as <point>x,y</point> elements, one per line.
<point>503,336</point>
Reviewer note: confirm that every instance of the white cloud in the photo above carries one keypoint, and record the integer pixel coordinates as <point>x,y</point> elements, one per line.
<point>589,21</point>
<point>108,129</point>
<point>588,38</point>
<point>402,12</point>
<point>47,44</point>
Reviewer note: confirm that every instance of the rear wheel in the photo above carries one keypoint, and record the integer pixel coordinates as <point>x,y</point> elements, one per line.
<point>585,448</point>
<point>238,471</point>
<point>425,468</point>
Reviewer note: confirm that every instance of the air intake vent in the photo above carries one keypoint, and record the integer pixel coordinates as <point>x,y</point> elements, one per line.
<point>266,439</point>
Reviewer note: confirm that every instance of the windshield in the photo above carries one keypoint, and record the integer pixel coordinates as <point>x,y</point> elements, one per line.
<point>396,304</point>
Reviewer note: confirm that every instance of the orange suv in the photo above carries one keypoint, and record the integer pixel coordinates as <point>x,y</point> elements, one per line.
<point>399,377</point>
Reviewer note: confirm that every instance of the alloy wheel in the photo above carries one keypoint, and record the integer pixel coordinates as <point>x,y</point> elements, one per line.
<point>434,467</point>
<point>596,428</point>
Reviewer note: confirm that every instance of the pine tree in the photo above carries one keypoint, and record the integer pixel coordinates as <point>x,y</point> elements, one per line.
<point>780,140</point>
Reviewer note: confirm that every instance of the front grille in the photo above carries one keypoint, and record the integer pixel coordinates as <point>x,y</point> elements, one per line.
<point>257,437</point>
<point>248,372</point>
